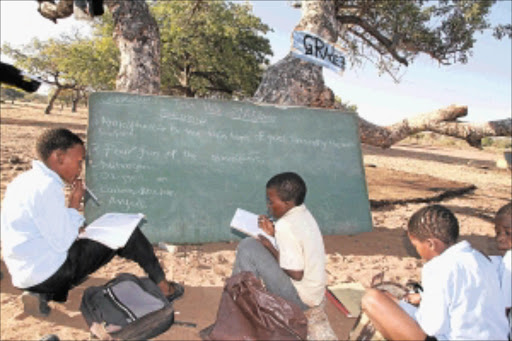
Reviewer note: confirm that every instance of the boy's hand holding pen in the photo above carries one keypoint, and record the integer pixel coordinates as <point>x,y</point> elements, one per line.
<point>77,193</point>
<point>266,224</point>
<point>78,189</point>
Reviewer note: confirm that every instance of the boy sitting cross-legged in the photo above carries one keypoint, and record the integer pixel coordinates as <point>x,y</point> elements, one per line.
<point>461,299</point>
<point>295,272</point>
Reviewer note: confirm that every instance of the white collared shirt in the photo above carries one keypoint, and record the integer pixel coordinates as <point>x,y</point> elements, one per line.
<point>505,273</point>
<point>301,248</point>
<point>461,298</point>
<point>37,227</point>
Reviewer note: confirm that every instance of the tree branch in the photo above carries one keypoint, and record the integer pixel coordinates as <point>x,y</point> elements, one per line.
<point>442,121</point>
<point>386,42</point>
<point>474,132</point>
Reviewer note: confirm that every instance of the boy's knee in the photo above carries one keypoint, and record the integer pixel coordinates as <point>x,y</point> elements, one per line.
<point>371,298</point>
<point>248,245</point>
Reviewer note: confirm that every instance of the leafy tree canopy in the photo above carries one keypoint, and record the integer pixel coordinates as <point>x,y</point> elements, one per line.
<point>69,61</point>
<point>210,47</point>
<point>33,58</point>
<point>393,33</point>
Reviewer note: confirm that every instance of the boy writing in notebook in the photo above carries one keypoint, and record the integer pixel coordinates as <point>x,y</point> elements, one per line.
<point>296,271</point>
<point>461,297</point>
<point>39,232</point>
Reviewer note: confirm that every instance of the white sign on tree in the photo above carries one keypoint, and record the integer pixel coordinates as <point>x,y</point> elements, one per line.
<point>314,49</point>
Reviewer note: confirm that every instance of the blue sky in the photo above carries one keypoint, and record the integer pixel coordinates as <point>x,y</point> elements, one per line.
<point>484,84</point>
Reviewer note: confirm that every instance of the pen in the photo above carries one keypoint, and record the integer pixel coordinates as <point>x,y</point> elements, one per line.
<point>92,195</point>
<point>185,324</point>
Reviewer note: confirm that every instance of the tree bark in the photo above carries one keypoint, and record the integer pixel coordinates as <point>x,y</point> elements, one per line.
<point>295,82</point>
<point>53,11</point>
<point>49,107</point>
<point>137,36</point>
<point>441,121</point>
<point>292,81</point>
<point>74,104</point>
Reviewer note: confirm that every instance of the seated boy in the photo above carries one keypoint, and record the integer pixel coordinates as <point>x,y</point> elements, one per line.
<point>503,228</point>
<point>39,233</point>
<point>461,298</point>
<point>297,271</point>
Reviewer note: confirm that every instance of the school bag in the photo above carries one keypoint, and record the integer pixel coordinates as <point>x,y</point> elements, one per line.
<point>247,311</point>
<point>126,308</point>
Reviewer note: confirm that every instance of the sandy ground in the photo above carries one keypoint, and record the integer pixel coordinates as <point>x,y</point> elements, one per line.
<point>400,180</point>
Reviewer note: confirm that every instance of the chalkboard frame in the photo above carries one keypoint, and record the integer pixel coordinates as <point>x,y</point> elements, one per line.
<point>137,143</point>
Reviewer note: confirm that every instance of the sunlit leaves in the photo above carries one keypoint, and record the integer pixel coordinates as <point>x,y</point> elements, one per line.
<point>210,47</point>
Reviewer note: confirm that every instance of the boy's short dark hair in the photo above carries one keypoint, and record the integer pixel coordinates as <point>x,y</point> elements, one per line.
<point>289,186</point>
<point>434,221</point>
<point>55,139</point>
<point>505,210</point>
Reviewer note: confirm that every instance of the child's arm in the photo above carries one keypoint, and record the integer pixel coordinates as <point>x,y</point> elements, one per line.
<point>269,246</point>
<point>296,275</point>
<point>268,226</point>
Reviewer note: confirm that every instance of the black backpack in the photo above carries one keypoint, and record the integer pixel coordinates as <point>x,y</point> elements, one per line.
<point>127,308</point>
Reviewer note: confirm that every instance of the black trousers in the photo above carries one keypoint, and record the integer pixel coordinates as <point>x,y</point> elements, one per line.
<point>85,256</point>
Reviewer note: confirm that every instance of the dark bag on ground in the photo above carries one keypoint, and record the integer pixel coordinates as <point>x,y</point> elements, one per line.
<point>127,308</point>
<point>248,312</point>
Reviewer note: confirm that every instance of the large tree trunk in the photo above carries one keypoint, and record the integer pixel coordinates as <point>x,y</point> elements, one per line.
<point>295,82</point>
<point>74,104</point>
<point>292,81</point>
<point>137,36</point>
<point>49,107</point>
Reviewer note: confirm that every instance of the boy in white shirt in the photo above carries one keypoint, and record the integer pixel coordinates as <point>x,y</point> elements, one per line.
<point>296,271</point>
<point>503,228</point>
<point>461,297</point>
<point>39,232</point>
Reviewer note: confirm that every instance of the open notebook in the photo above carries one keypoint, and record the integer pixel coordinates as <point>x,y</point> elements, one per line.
<point>112,229</point>
<point>247,222</point>
<point>346,297</point>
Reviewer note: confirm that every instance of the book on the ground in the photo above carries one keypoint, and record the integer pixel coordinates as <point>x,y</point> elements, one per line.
<point>112,229</point>
<point>346,297</point>
<point>247,222</point>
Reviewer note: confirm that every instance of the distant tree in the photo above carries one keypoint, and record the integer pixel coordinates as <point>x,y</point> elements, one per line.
<point>92,62</point>
<point>345,106</point>
<point>70,62</point>
<point>389,34</point>
<point>36,98</point>
<point>11,94</point>
<point>210,47</point>
<point>39,58</point>
<point>136,35</point>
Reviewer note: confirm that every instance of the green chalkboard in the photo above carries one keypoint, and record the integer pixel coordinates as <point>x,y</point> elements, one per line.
<point>187,164</point>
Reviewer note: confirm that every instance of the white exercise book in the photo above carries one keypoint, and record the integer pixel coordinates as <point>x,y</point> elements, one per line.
<point>247,222</point>
<point>112,229</point>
